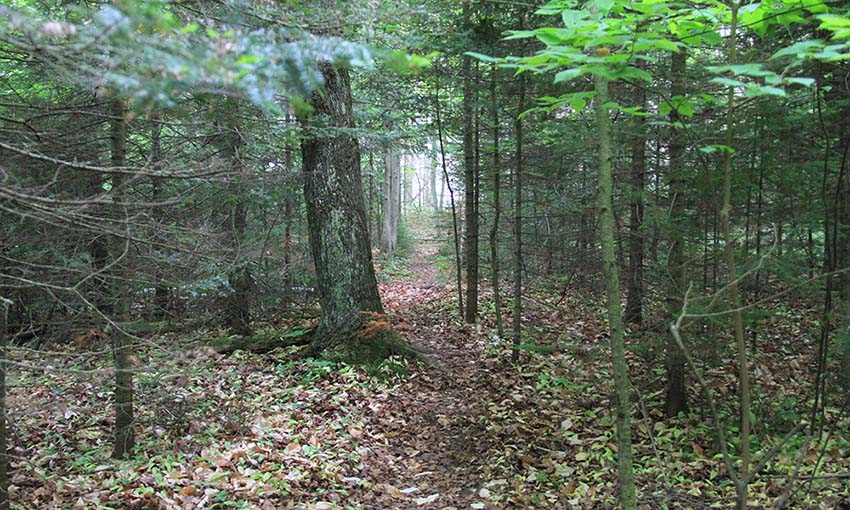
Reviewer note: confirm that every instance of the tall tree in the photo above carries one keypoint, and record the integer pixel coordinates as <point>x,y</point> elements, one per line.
<point>634,294</point>
<point>518,170</point>
<point>239,277</point>
<point>338,229</point>
<point>676,398</point>
<point>470,179</point>
<point>497,205</point>
<point>119,252</point>
<point>392,200</point>
<point>610,272</point>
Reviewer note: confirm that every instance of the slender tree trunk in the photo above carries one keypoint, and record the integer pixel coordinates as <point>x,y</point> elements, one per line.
<point>239,279</point>
<point>469,181</point>
<point>287,213</point>
<point>734,297</point>
<point>119,248</point>
<point>705,251</point>
<point>451,198</point>
<point>435,204</point>
<point>162,291</point>
<point>625,471</point>
<point>518,168</point>
<point>371,206</point>
<point>392,201</point>
<point>339,237</point>
<point>759,205</point>
<point>676,399</point>
<point>497,207</point>
<point>4,356</point>
<point>634,296</point>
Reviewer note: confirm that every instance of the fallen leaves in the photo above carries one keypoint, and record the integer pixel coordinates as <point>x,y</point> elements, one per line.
<point>265,432</point>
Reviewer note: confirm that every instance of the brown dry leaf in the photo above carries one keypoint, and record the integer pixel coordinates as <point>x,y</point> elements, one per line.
<point>189,490</point>
<point>392,491</point>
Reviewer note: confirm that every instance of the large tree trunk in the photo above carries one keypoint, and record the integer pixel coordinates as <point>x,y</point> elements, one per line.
<point>350,327</point>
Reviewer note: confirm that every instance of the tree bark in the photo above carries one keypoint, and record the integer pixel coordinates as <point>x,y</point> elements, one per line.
<point>676,399</point>
<point>518,133</point>
<point>470,177</point>
<point>732,278</point>
<point>4,355</point>
<point>162,291</point>
<point>239,278</point>
<point>625,472</point>
<point>119,248</point>
<point>634,296</point>
<point>435,206</point>
<point>392,190</point>
<point>497,207</point>
<point>351,325</point>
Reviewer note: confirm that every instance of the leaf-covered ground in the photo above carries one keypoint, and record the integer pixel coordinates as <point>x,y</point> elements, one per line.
<point>464,429</point>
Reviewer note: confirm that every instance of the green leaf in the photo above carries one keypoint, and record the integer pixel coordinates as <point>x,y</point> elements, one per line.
<point>578,104</point>
<point>636,111</point>
<point>568,75</point>
<point>753,69</point>
<point>764,90</point>
<point>552,36</point>
<point>806,82</point>
<point>685,109</point>
<point>603,6</point>
<point>708,149</point>
<point>247,59</point>
<point>485,58</point>
<point>729,82</point>
<point>799,50</point>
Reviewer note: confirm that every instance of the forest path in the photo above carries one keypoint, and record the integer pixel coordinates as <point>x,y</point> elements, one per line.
<point>435,424</point>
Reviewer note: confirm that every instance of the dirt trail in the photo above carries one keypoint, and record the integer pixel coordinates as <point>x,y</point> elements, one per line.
<point>434,425</point>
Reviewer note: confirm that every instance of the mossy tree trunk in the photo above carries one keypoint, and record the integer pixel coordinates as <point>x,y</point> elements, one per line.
<point>610,268</point>
<point>338,229</point>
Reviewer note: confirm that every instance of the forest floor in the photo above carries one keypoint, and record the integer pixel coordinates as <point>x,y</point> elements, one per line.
<point>465,429</point>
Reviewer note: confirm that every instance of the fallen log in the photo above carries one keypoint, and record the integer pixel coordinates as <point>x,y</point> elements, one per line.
<point>265,341</point>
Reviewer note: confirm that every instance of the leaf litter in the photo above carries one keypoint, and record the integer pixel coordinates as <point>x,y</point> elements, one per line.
<point>466,429</point>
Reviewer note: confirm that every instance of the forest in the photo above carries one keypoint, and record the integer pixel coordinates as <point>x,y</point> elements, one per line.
<point>368,254</point>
